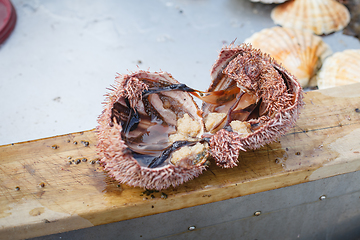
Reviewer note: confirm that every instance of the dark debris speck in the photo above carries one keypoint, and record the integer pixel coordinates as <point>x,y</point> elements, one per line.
<point>147,192</point>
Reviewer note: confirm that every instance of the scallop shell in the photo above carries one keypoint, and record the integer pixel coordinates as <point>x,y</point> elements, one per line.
<point>301,52</point>
<point>269,1</point>
<point>342,68</point>
<point>268,102</point>
<point>319,16</point>
<point>134,132</point>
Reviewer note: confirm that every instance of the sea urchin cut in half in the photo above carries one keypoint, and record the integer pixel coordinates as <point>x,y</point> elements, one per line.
<point>148,137</point>
<point>153,135</point>
<point>265,105</point>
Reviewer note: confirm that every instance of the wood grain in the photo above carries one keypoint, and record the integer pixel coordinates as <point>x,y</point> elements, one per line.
<point>55,184</point>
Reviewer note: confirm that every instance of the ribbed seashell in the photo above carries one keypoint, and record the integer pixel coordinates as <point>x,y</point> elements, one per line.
<point>299,51</point>
<point>265,107</point>
<point>319,16</point>
<point>134,132</point>
<point>269,1</point>
<point>342,68</point>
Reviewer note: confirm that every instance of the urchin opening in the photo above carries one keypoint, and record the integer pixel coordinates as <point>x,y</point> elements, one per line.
<point>263,89</point>
<point>159,129</point>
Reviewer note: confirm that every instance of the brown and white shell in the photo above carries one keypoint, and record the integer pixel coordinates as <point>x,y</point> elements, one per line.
<point>134,132</point>
<point>267,104</point>
<point>318,16</point>
<point>269,1</point>
<point>342,68</point>
<point>301,52</point>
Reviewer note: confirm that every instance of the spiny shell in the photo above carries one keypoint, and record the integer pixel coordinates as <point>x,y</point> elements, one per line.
<point>319,16</point>
<point>340,69</point>
<point>301,52</point>
<point>256,98</point>
<point>114,146</point>
<point>269,1</point>
<point>277,106</point>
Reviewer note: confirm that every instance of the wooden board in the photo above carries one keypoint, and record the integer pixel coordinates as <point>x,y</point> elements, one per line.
<point>42,193</point>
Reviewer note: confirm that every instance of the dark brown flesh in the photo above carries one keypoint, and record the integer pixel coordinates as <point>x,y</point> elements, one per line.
<point>146,132</point>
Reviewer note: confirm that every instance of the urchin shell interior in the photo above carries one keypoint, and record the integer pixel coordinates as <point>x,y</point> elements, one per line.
<point>153,135</point>
<point>149,138</point>
<point>268,101</point>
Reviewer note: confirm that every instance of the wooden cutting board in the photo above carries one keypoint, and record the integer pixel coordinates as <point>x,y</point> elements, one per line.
<point>55,185</point>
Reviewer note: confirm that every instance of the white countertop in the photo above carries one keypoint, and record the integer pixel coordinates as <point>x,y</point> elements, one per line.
<point>56,65</point>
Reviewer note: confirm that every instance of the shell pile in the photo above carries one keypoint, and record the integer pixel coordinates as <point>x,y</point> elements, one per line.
<point>153,135</point>
<point>318,16</point>
<point>342,68</point>
<point>301,52</point>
